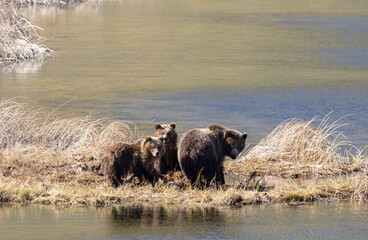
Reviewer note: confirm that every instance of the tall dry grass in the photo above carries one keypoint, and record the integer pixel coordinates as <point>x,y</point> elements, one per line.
<point>301,141</point>
<point>19,39</point>
<point>298,148</point>
<point>27,130</point>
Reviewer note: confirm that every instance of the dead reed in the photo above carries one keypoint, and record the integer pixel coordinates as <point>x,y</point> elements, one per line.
<point>59,3</point>
<point>298,148</point>
<point>19,39</point>
<point>25,130</point>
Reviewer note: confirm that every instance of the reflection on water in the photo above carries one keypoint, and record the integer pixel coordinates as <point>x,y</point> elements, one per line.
<point>23,69</point>
<point>321,221</point>
<point>159,215</point>
<point>247,64</point>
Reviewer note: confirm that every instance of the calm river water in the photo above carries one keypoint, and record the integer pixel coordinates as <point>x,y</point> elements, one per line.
<point>320,221</point>
<point>246,64</point>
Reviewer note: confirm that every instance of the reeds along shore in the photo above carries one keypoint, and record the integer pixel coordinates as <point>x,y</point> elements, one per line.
<point>59,3</point>
<point>19,39</point>
<point>50,159</point>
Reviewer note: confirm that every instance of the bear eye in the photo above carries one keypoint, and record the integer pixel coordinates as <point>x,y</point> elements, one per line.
<point>230,141</point>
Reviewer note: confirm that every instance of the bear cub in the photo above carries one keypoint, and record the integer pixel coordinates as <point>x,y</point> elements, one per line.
<point>202,152</point>
<point>167,134</point>
<point>138,158</point>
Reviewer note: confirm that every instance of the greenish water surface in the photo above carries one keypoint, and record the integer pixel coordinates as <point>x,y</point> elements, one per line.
<point>246,64</point>
<point>320,221</point>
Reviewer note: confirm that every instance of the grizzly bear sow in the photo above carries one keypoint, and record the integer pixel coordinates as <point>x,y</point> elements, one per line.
<point>137,158</point>
<point>167,134</point>
<point>202,151</point>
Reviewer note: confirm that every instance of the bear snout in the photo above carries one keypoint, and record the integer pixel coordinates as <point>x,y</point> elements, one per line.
<point>233,154</point>
<point>164,139</point>
<point>155,152</point>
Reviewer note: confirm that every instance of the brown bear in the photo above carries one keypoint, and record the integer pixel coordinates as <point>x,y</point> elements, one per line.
<point>167,134</point>
<point>137,158</point>
<point>202,152</point>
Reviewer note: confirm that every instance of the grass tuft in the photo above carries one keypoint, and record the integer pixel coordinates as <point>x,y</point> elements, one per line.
<point>59,3</point>
<point>298,141</point>
<point>297,148</point>
<point>19,39</point>
<point>29,131</point>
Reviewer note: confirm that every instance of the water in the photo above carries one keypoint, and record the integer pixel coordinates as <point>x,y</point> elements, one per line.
<point>320,221</point>
<point>246,64</point>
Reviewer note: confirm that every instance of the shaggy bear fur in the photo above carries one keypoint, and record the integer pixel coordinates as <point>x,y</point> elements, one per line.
<point>202,152</point>
<point>137,158</point>
<point>167,134</point>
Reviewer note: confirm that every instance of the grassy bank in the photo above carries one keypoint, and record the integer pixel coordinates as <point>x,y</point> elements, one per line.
<point>19,39</point>
<point>59,3</point>
<point>47,158</point>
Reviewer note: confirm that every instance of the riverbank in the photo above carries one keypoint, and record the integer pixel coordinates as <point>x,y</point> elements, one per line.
<point>46,158</point>
<point>69,184</point>
<point>59,3</point>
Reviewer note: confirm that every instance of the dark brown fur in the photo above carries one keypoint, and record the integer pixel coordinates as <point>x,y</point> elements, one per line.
<point>203,151</point>
<point>167,134</point>
<point>137,158</point>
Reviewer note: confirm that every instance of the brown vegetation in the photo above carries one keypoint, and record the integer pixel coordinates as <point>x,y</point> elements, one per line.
<point>60,3</point>
<point>29,132</point>
<point>49,159</point>
<point>299,149</point>
<point>19,39</point>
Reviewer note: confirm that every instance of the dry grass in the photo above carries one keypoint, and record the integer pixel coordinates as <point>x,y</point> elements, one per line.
<point>63,184</point>
<point>50,159</point>
<point>19,39</point>
<point>28,131</point>
<point>298,141</point>
<point>59,3</point>
<point>298,149</point>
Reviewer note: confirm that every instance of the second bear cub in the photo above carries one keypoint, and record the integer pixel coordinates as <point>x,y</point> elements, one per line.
<point>167,134</point>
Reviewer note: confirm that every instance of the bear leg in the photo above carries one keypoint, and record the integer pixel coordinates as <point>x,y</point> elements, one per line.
<point>220,179</point>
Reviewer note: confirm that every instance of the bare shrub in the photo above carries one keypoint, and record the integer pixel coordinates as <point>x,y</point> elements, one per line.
<point>18,39</point>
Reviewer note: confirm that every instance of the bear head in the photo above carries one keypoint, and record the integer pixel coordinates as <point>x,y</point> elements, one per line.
<point>234,142</point>
<point>153,147</point>
<point>166,133</point>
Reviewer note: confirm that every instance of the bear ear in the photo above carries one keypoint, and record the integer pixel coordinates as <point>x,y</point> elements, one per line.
<point>157,126</point>
<point>245,135</point>
<point>148,139</point>
<point>173,125</point>
<point>229,133</point>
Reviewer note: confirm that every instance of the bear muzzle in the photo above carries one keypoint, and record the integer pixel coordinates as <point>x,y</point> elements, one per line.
<point>164,139</point>
<point>233,154</point>
<point>155,152</point>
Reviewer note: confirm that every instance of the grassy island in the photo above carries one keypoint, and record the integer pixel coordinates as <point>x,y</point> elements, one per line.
<point>46,158</point>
